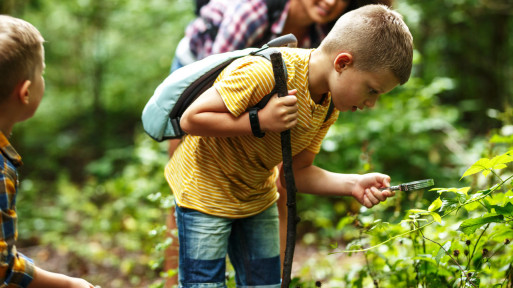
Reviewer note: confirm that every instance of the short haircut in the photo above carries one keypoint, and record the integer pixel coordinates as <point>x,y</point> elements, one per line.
<point>378,39</point>
<point>20,53</point>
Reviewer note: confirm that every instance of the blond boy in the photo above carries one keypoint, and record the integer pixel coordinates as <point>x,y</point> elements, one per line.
<point>21,90</point>
<point>223,177</point>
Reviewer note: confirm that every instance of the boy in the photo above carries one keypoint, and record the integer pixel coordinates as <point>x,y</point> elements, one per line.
<point>21,90</point>
<point>224,178</point>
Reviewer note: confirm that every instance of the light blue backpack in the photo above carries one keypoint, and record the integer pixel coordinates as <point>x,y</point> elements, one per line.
<point>161,115</point>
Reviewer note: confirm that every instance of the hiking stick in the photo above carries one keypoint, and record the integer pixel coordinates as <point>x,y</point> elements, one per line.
<point>281,89</point>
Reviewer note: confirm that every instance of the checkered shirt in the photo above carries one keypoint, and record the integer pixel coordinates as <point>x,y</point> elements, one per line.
<point>16,270</point>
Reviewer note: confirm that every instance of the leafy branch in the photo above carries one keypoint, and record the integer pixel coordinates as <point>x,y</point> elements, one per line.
<point>484,165</point>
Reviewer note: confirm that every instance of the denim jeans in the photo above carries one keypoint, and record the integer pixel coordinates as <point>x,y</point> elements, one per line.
<point>251,243</point>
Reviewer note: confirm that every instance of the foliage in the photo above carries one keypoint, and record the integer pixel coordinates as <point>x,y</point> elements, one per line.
<point>96,82</point>
<point>93,185</point>
<point>408,136</point>
<point>461,240</point>
<point>469,42</point>
<point>115,222</point>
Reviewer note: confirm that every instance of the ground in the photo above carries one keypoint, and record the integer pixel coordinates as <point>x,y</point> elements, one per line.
<point>309,262</point>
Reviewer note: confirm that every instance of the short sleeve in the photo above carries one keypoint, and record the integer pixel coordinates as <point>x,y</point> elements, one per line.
<point>244,83</point>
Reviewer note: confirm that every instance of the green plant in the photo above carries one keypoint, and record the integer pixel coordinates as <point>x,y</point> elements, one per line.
<point>468,249</point>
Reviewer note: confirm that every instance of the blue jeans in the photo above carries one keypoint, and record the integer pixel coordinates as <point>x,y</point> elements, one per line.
<point>251,243</point>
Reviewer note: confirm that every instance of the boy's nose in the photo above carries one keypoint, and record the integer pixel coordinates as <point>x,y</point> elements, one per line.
<point>371,102</point>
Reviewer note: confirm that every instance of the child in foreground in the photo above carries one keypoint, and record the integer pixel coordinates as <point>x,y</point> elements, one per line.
<point>21,90</point>
<point>223,174</point>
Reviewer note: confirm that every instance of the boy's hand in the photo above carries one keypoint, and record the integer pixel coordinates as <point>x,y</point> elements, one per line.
<point>280,113</point>
<point>80,283</point>
<point>366,189</point>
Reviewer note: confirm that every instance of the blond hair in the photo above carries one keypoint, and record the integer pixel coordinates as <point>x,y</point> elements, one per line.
<point>20,53</point>
<point>378,39</point>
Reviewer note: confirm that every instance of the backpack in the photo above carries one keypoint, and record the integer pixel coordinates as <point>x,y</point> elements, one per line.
<point>161,115</point>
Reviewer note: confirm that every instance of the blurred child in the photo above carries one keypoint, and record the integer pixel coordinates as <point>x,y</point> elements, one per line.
<point>21,90</point>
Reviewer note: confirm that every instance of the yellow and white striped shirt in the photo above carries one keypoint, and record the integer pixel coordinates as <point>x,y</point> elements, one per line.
<point>235,177</point>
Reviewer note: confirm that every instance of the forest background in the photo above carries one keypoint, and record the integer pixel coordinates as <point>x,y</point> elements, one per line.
<point>93,199</point>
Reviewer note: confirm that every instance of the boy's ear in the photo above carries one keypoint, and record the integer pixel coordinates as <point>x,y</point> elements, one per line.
<point>23,92</point>
<point>343,60</point>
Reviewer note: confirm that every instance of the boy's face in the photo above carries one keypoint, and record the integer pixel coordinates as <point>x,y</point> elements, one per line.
<point>324,11</point>
<point>353,89</point>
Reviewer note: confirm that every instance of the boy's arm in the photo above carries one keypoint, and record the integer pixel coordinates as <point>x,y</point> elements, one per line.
<point>43,278</point>
<point>209,116</point>
<point>314,180</point>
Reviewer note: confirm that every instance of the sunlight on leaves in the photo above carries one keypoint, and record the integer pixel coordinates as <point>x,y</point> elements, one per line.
<point>435,215</point>
<point>435,205</point>
<point>487,165</point>
<point>463,190</point>
<point>480,165</point>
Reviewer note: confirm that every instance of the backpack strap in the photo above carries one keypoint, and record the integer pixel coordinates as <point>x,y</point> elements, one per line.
<point>286,40</point>
<point>330,111</point>
<point>266,53</point>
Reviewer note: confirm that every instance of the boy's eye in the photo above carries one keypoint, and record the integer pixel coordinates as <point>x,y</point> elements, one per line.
<point>373,92</point>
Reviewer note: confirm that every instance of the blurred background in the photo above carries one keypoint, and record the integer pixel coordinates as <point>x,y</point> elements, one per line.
<point>93,199</point>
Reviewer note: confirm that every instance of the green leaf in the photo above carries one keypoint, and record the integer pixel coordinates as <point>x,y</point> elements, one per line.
<point>472,206</point>
<point>449,203</point>
<point>425,257</point>
<point>507,210</point>
<point>418,211</point>
<point>486,165</point>
<point>435,205</point>
<point>470,226</point>
<point>500,161</point>
<point>480,165</point>
<point>441,252</point>
<point>435,215</point>
<point>463,190</point>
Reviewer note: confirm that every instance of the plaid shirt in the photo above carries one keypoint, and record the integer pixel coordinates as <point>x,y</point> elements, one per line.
<point>241,24</point>
<point>16,270</point>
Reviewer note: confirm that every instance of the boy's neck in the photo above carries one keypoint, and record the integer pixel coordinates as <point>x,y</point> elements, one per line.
<point>317,75</point>
<point>5,122</point>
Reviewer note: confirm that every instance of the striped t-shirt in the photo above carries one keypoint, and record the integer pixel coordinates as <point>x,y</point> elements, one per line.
<point>235,177</point>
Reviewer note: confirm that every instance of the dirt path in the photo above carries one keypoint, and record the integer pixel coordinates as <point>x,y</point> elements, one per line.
<point>309,262</point>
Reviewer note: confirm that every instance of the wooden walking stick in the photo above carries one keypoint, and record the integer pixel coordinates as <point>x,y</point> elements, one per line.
<point>292,220</point>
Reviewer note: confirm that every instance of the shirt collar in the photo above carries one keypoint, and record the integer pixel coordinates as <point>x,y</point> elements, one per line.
<point>9,152</point>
